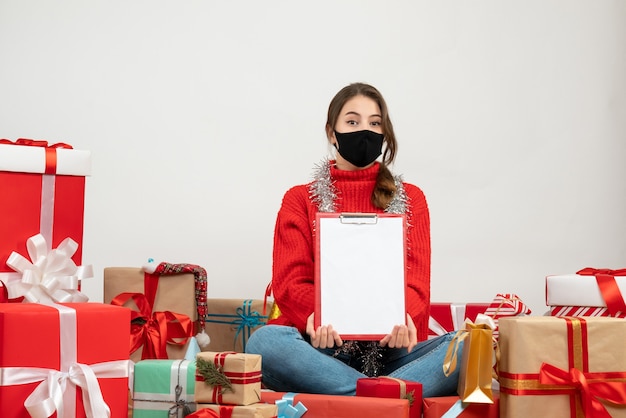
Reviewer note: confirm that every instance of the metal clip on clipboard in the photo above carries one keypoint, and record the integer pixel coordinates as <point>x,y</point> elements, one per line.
<point>358,218</point>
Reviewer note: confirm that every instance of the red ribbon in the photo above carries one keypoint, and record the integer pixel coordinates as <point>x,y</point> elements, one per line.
<point>608,287</point>
<point>268,293</point>
<point>226,411</point>
<point>590,386</point>
<point>4,295</point>
<point>51,150</point>
<point>35,143</point>
<point>157,329</point>
<point>204,413</point>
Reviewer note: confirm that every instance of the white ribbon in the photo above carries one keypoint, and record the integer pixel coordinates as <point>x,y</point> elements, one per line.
<point>46,218</point>
<point>482,319</point>
<point>57,390</point>
<point>49,276</point>
<point>457,311</point>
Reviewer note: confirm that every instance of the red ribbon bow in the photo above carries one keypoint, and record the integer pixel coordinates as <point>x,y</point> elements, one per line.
<point>154,330</point>
<point>35,143</point>
<point>51,150</point>
<point>590,271</point>
<point>590,386</point>
<point>608,287</point>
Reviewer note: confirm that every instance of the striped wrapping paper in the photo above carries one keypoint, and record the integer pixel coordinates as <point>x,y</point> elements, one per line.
<point>583,311</point>
<point>506,304</point>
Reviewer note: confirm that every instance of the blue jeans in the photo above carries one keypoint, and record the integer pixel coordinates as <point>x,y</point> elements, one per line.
<point>291,364</point>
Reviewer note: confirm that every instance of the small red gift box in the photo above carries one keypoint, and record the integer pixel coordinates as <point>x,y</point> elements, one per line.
<point>437,407</point>
<point>389,387</point>
<point>323,406</point>
<point>43,190</point>
<point>81,360</point>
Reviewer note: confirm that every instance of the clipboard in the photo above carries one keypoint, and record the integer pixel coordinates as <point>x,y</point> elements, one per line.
<point>360,280</point>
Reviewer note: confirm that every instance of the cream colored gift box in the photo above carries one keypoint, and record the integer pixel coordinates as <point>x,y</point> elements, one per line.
<point>546,361</point>
<point>230,322</point>
<point>228,378</point>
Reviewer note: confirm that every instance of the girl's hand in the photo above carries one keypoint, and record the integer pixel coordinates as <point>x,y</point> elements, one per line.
<point>401,336</point>
<point>322,337</point>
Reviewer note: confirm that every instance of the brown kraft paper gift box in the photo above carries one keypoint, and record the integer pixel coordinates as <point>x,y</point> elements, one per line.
<point>230,322</point>
<point>228,378</point>
<point>545,363</point>
<point>175,293</point>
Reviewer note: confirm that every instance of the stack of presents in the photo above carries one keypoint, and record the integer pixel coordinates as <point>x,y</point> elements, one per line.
<point>158,347</point>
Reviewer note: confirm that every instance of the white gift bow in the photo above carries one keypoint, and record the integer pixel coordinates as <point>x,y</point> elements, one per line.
<point>457,310</point>
<point>54,393</point>
<point>484,319</point>
<point>49,277</point>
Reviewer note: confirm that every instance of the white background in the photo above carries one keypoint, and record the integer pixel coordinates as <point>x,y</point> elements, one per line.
<point>200,114</point>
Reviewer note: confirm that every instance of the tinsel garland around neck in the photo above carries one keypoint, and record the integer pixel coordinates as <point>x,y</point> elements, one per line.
<point>323,193</point>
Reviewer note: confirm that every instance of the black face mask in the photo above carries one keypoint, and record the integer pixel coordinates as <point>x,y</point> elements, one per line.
<point>360,148</point>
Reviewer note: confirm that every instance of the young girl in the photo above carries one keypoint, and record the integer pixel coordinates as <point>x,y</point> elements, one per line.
<point>300,358</point>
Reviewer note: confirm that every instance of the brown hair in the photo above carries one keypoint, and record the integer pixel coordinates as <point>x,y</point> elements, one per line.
<point>385,185</point>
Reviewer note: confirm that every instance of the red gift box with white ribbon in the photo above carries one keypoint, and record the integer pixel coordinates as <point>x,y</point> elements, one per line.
<point>43,190</point>
<point>69,359</point>
<point>448,317</point>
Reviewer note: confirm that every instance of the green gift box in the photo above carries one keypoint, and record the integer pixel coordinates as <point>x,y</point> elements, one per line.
<point>164,388</point>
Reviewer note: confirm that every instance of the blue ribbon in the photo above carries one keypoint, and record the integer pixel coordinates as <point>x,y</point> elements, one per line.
<point>455,410</point>
<point>245,320</point>
<point>286,408</point>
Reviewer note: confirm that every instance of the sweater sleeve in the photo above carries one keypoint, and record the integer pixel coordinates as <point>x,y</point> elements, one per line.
<point>293,260</point>
<point>418,260</point>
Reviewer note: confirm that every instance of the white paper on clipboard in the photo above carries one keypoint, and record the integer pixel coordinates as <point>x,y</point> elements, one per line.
<point>360,275</point>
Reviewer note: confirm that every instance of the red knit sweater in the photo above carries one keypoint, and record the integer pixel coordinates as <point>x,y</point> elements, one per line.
<point>293,269</point>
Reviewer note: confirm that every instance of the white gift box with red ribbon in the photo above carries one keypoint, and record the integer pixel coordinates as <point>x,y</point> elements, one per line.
<point>588,288</point>
<point>39,157</point>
